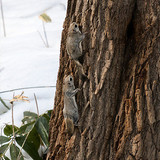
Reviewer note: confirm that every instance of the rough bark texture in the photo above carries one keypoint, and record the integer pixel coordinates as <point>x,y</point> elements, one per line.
<point>119,106</point>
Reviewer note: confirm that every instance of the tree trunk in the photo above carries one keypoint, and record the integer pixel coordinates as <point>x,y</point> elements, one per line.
<point>119,105</point>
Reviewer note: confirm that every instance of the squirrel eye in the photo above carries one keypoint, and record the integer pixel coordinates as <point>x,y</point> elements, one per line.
<point>76,26</point>
<point>70,79</point>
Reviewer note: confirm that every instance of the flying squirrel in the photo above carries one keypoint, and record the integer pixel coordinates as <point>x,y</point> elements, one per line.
<point>70,110</point>
<point>74,46</point>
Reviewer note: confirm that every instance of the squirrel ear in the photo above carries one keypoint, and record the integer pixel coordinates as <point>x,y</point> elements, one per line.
<point>65,76</point>
<point>64,79</point>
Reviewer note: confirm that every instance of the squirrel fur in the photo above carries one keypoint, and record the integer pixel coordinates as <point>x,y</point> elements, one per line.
<point>70,110</point>
<point>74,46</point>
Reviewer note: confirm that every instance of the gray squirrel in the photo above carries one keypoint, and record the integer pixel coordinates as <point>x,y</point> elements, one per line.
<point>74,46</point>
<point>70,111</point>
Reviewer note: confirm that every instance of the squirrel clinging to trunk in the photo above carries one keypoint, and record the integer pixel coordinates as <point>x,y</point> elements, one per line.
<point>74,46</point>
<point>70,111</point>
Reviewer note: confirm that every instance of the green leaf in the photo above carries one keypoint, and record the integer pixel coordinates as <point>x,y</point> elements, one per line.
<point>5,157</point>
<point>8,130</point>
<point>3,149</point>
<point>14,152</point>
<point>33,136</point>
<point>27,120</point>
<point>24,129</point>
<point>4,139</point>
<point>49,112</point>
<point>46,116</point>
<point>42,127</point>
<point>30,114</point>
<point>32,144</point>
<point>29,128</point>
<point>29,117</point>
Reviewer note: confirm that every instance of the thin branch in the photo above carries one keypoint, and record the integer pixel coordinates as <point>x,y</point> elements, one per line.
<point>45,34</point>
<point>42,38</point>
<point>17,89</point>
<point>4,28</point>
<point>36,104</point>
<point>13,126</point>
<point>12,119</point>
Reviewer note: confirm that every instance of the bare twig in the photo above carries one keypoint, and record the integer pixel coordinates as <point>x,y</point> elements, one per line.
<point>42,39</point>
<point>17,89</point>
<point>36,104</point>
<point>14,141</point>
<point>4,28</point>
<point>13,119</point>
<point>45,34</point>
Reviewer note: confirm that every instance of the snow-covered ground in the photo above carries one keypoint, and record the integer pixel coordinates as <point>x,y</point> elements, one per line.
<point>24,60</point>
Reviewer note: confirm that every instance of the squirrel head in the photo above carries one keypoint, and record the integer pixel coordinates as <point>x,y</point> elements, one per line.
<point>69,81</point>
<point>73,28</point>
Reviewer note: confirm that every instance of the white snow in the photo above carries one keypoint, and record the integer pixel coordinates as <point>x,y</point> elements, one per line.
<point>24,60</point>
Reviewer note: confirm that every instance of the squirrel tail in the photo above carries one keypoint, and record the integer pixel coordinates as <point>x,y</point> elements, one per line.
<point>80,68</point>
<point>69,126</point>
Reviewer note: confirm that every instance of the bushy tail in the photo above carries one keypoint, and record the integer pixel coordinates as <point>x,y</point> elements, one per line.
<point>80,68</point>
<point>69,126</point>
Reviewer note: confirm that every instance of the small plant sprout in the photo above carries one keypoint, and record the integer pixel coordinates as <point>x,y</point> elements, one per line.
<point>45,19</point>
<point>29,137</point>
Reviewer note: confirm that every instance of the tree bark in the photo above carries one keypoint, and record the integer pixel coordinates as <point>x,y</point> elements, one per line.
<point>119,104</point>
